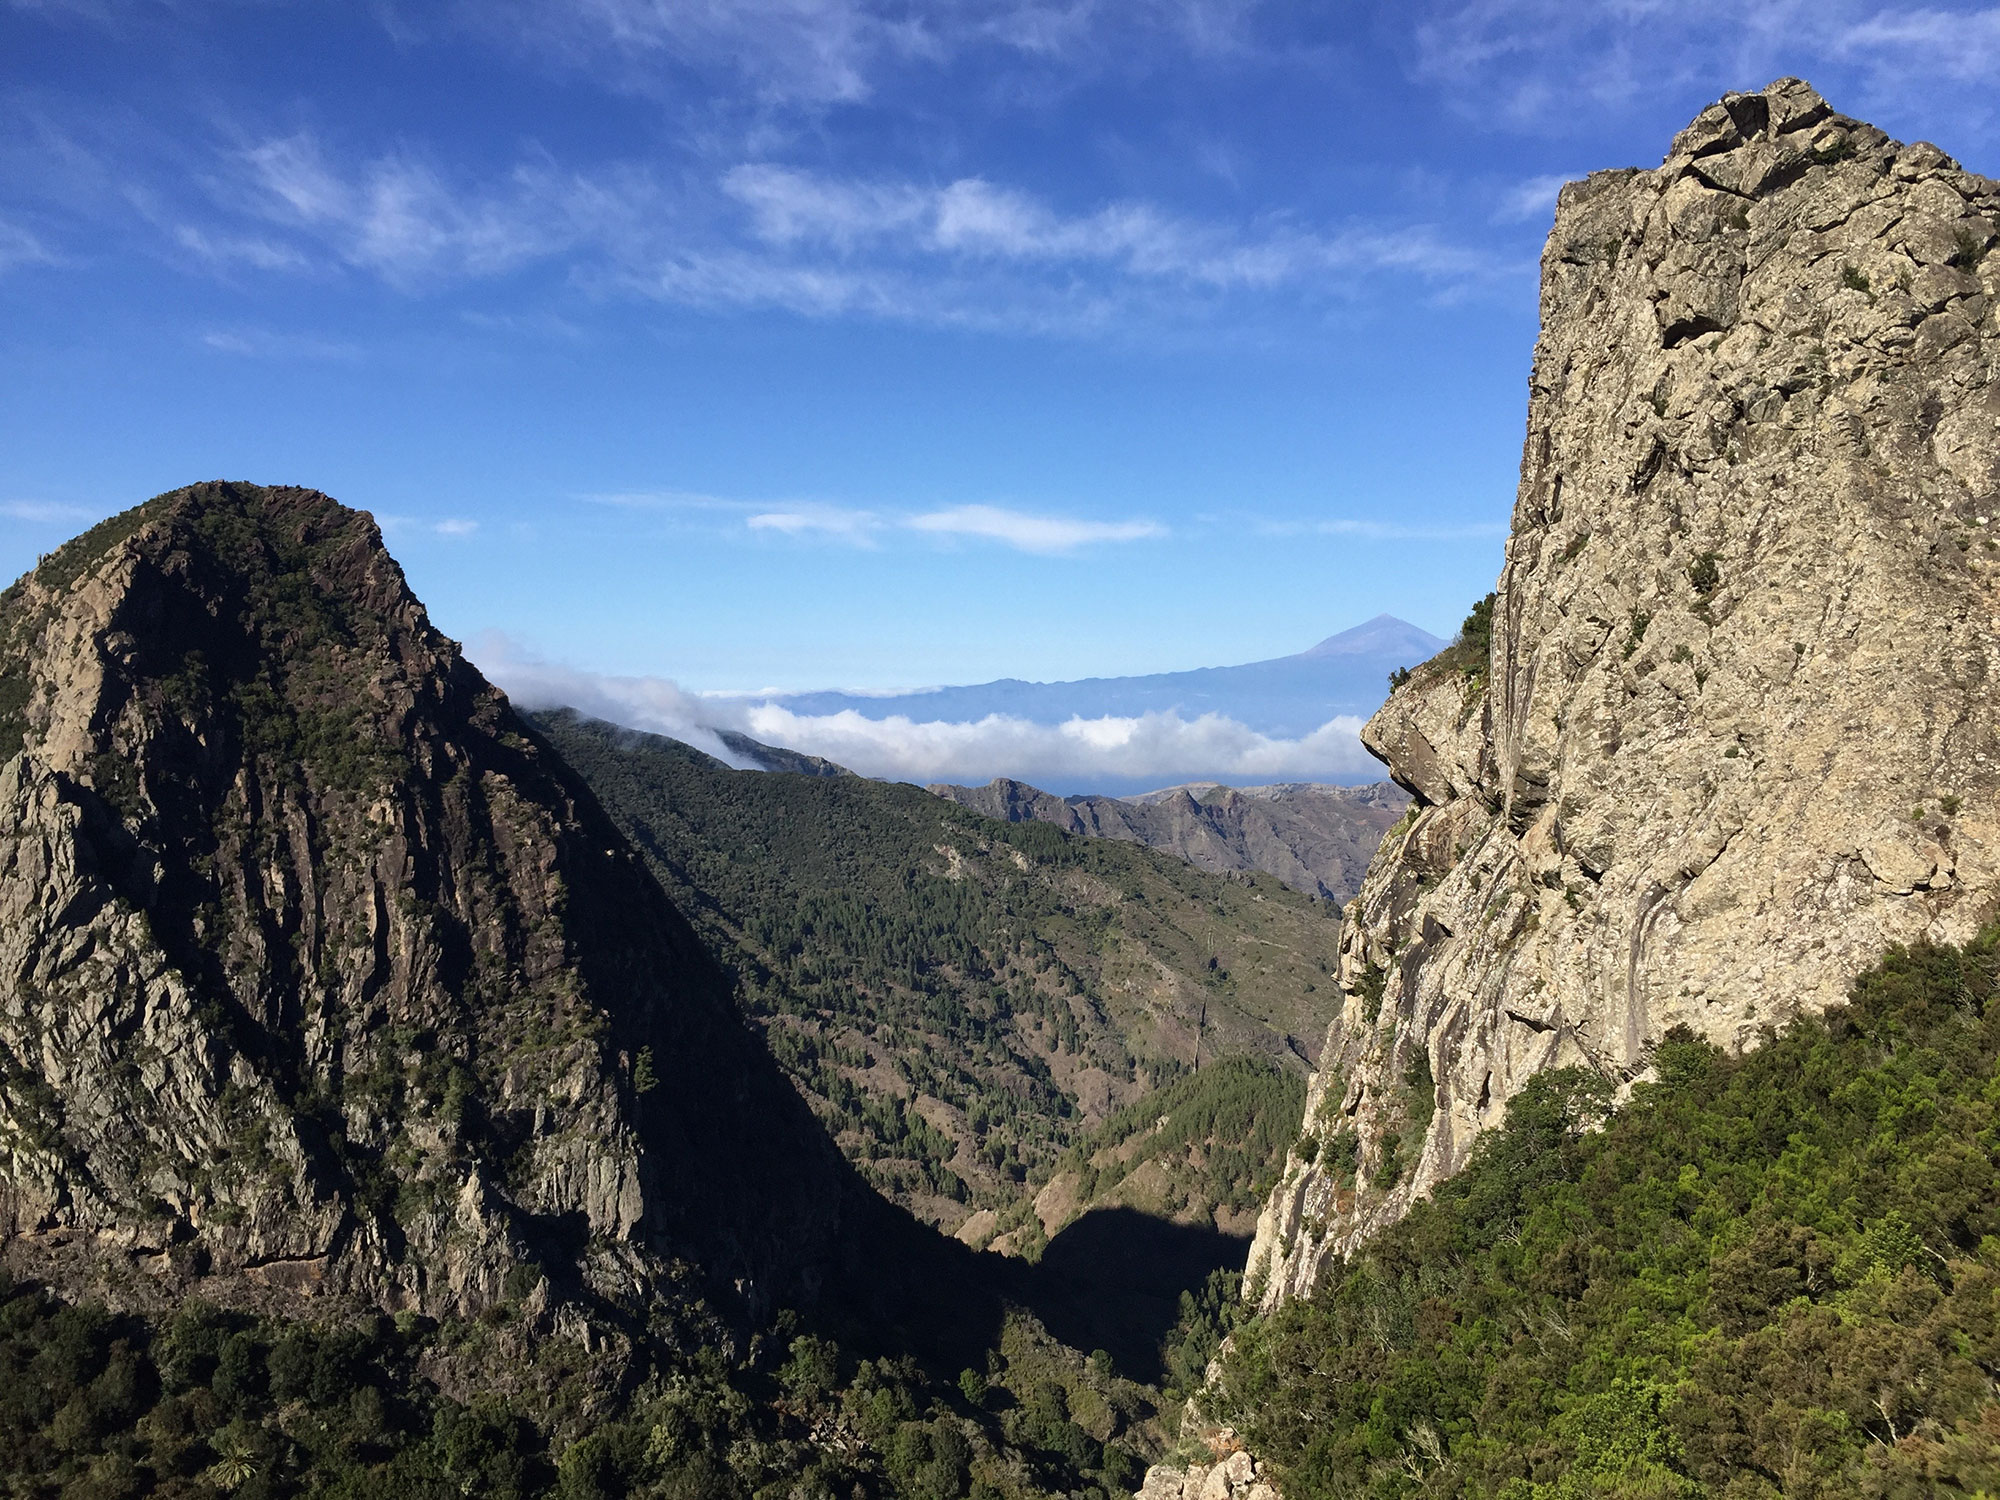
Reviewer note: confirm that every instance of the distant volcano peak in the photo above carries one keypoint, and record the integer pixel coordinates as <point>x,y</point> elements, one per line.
<point>1371,637</point>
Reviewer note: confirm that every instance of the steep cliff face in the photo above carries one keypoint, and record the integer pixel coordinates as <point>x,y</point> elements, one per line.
<point>321,975</point>
<point>1317,839</point>
<point>1737,731</point>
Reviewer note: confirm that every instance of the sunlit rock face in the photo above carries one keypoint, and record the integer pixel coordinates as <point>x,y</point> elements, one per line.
<point>1737,731</point>
<point>322,977</point>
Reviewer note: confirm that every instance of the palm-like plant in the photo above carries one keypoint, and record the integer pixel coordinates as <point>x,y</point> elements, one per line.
<point>235,1463</point>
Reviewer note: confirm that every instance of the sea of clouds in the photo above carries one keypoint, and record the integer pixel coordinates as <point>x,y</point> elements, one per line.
<point>1112,752</point>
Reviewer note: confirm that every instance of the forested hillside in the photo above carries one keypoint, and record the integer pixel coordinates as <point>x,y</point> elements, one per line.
<point>1774,1274</point>
<point>205,1403</point>
<point>962,999</point>
<point>1317,839</point>
<point>1204,1150</point>
<point>371,1123</point>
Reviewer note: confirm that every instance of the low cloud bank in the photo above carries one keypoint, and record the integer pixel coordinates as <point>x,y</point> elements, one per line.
<point>1156,748</point>
<point>651,703</point>
<point>1096,754</point>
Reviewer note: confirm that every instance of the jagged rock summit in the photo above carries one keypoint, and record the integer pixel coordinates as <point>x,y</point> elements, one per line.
<point>1737,733</point>
<point>321,976</point>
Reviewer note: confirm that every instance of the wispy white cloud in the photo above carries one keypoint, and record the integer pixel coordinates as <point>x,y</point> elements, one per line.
<point>968,253</point>
<point>816,520</point>
<point>1547,64</point>
<point>729,279</point>
<point>663,500</point>
<point>261,343</point>
<point>1534,199</point>
<point>857,526</point>
<point>805,51</point>
<point>45,512</point>
<point>259,252</point>
<point>101,11</point>
<point>537,325</point>
<point>1037,532</point>
<point>20,248</point>
<point>1158,747</point>
<point>818,53</point>
<point>972,219</point>
<point>1024,531</point>
<point>1961,45</point>
<point>788,206</point>
<point>400,217</point>
<point>1030,533</point>
<point>450,528</point>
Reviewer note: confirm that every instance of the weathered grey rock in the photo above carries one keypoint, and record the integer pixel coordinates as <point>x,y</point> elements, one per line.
<point>1235,1475</point>
<point>320,976</point>
<point>1738,731</point>
<point>1316,839</point>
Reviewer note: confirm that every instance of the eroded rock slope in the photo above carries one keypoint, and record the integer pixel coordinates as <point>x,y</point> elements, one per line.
<point>1737,731</point>
<point>320,974</point>
<point>1317,839</point>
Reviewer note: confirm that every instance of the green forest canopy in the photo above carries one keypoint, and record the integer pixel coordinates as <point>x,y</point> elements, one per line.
<point>1768,1275</point>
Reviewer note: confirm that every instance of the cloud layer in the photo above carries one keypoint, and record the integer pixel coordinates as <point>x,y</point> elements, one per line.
<point>969,252</point>
<point>688,229</point>
<point>1155,748</point>
<point>1107,752</point>
<point>1024,531</point>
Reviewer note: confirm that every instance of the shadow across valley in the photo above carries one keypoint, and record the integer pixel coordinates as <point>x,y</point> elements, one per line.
<point>1113,1281</point>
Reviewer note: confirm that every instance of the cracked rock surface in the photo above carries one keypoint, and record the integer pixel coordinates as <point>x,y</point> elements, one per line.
<point>321,976</point>
<point>1737,733</point>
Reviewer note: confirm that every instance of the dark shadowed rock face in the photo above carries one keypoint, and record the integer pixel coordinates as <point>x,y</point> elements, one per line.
<point>320,974</point>
<point>1317,839</point>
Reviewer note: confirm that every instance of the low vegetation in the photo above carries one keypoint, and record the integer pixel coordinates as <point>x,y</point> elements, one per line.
<point>212,1404</point>
<point>1768,1275</point>
<point>1470,653</point>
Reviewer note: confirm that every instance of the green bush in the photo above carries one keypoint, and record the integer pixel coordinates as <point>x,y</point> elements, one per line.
<point>1770,1274</point>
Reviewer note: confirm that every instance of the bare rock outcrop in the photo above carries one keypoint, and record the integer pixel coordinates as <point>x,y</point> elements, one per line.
<point>1225,1469</point>
<point>1316,839</point>
<point>321,976</point>
<point>1737,732</point>
<point>1233,1476</point>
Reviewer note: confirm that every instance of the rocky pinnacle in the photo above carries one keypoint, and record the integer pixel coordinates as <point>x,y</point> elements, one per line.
<point>1737,732</point>
<point>322,977</point>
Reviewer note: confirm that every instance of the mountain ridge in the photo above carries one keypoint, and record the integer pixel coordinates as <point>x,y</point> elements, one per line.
<point>1316,839</point>
<point>1288,696</point>
<point>313,992</point>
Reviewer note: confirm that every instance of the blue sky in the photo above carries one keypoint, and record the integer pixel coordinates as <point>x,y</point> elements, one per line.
<point>808,343</point>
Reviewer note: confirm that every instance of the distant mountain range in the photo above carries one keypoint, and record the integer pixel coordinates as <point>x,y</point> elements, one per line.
<point>1286,697</point>
<point>1290,719</point>
<point>1317,839</point>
